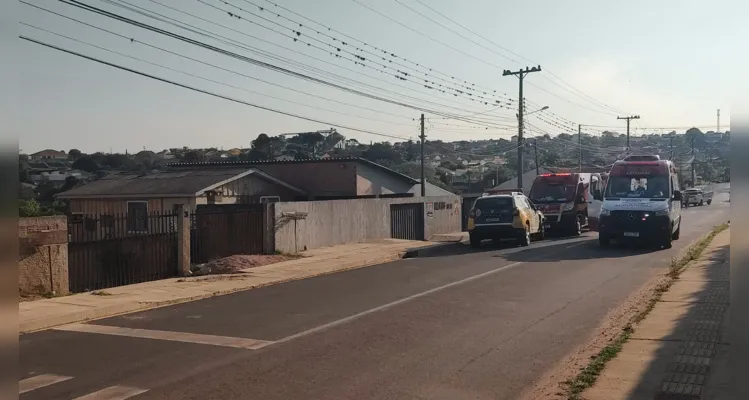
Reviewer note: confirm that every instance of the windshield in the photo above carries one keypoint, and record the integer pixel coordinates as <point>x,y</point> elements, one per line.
<point>496,203</point>
<point>652,187</point>
<point>544,191</point>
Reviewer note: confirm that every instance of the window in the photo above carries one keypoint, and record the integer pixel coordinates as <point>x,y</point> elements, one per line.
<point>137,216</point>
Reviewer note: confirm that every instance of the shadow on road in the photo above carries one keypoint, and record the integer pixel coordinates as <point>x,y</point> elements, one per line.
<point>685,357</point>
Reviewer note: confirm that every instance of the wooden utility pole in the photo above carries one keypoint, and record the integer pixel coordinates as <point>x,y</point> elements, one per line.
<point>521,74</point>
<point>628,119</point>
<point>671,146</point>
<point>422,137</point>
<point>693,160</point>
<point>535,150</point>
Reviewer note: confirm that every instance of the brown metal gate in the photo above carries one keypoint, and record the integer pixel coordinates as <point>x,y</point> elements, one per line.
<point>223,230</point>
<point>407,221</point>
<point>113,250</point>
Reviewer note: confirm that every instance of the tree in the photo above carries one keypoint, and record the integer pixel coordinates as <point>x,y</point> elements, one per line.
<point>266,147</point>
<point>412,151</point>
<point>86,163</point>
<point>193,156</point>
<point>29,208</point>
<point>382,152</point>
<point>74,154</point>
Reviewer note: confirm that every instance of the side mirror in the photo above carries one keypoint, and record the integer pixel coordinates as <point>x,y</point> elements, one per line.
<point>677,195</point>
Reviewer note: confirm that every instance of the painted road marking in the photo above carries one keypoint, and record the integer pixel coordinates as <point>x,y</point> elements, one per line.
<point>113,393</point>
<point>397,302</point>
<point>40,381</point>
<point>226,341</point>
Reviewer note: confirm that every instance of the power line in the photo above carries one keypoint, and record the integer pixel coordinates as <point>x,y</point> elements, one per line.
<point>380,52</point>
<point>337,49</point>
<point>218,82</point>
<point>513,53</point>
<point>424,35</point>
<point>229,41</point>
<point>164,80</point>
<point>379,49</point>
<point>244,58</point>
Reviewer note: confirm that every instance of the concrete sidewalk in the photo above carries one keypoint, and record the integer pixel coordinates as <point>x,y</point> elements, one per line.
<point>43,314</point>
<point>680,350</point>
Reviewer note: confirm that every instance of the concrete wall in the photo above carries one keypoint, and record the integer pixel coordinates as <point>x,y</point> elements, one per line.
<point>43,255</point>
<point>346,221</point>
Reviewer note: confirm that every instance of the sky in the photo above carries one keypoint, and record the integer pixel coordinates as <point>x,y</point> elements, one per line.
<point>673,63</point>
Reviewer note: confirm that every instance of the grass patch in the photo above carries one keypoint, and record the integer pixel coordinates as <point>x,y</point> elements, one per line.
<point>101,293</point>
<point>588,376</point>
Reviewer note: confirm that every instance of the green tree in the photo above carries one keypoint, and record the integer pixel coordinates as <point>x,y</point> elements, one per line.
<point>86,163</point>
<point>29,208</point>
<point>74,154</point>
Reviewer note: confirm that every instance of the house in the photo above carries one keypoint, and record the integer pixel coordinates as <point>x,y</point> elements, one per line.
<point>162,191</point>
<point>48,155</point>
<point>334,177</point>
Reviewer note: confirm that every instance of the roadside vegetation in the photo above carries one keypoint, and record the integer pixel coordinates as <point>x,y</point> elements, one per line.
<point>589,374</point>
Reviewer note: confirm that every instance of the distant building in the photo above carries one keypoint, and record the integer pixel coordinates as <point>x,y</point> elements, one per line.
<point>48,155</point>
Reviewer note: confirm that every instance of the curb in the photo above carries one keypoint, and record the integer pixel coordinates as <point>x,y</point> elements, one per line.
<point>132,307</point>
<point>425,251</point>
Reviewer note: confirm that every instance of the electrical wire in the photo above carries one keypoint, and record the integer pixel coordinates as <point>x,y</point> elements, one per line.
<point>519,56</point>
<point>240,57</point>
<point>164,80</point>
<point>381,50</point>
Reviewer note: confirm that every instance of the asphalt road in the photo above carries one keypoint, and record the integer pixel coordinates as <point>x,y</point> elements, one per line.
<point>465,324</point>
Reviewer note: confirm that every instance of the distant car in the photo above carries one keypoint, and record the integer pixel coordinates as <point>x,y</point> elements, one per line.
<point>505,216</point>
<point>696,197</point>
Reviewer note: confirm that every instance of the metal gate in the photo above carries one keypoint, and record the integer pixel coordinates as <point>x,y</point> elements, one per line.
<point>113,250</point>
<point>407,221</point>
<point>224,230</point>
<point>465,210</point>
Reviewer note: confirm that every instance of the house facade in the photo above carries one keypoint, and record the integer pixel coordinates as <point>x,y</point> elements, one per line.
<point>328,178</point>
<point>161,192</point>
<point>48,155</point>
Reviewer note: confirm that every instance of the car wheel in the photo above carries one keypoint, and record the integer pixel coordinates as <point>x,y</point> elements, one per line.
<point>475,241</point>
<point>603,240</point>
<point>702,203</point>
<point>677,234</point>
<point>708,202</point>
<point>525,237</point>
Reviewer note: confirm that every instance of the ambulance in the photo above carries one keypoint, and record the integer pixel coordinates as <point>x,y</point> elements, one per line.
<point>642,202</point>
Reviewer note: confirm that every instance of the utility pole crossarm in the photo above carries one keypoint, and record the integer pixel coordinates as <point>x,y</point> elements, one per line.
<point>628,120</point>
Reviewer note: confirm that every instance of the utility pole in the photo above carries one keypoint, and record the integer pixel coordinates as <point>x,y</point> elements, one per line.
<point>693,159</point>
<point>718,131</point>
<point>521,74</point>
<point>628,119</point>
<point>422,137</point>
<point>580,143</point>
<point>671,146</point>
<point>535,150</point>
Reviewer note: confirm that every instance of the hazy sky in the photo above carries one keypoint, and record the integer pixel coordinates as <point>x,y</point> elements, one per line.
<point>672,62</point>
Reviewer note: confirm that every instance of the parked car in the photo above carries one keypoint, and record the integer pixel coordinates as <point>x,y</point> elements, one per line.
<point>505,216</point>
